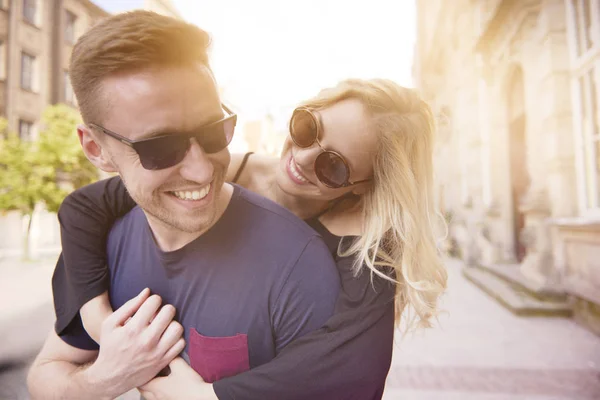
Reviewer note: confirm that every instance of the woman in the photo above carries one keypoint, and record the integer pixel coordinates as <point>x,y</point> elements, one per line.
<point>357,167</point>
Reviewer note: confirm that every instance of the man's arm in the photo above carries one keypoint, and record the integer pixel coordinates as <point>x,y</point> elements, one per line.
<point>61,371</point>
<point>137,342</point>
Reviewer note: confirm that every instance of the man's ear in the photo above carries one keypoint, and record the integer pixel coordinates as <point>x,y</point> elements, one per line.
<point>94,151</point>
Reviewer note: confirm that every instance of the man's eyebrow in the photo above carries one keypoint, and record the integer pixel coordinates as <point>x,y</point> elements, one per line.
<point>163,131</point>
<point>155,133</point>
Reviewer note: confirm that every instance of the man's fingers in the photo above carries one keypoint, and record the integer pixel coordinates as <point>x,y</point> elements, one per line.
<point>175,350</point>
<point>145,313</point>
<point>161,321</point>
<point>127,310</point>
<point>170,336</point>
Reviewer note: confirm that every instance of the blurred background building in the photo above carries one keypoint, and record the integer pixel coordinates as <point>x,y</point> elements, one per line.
<point>515,87</point>
<point>164,7</point>
<point>36,39</point>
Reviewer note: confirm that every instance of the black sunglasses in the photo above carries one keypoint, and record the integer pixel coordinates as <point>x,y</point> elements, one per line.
<point>330,166</point>
<point>168,150</point>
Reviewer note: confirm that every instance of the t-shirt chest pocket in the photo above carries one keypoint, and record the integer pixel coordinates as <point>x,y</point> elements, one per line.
<point>216,358</point>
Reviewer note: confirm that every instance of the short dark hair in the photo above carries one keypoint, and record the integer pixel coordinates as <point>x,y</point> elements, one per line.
<point>128,42</point>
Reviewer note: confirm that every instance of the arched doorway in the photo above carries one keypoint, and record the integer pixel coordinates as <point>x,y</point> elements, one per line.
<point>519,174</point>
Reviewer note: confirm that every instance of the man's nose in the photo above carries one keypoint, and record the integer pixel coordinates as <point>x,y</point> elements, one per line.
<point>196,166</point>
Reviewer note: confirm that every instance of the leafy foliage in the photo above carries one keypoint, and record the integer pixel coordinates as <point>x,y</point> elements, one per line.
<point>44,170</point>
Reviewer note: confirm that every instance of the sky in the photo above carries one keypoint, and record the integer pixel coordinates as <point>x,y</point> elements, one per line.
<point>271,54</point>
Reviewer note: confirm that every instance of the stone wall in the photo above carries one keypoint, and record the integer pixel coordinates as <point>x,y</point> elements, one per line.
<point>505,161</point>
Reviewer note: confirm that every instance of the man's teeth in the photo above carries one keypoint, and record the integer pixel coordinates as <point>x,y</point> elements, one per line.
<point>295,171</point>
<point>193,195</point>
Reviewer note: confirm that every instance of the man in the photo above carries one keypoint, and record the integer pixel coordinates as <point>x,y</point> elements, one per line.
<point>152,113</point>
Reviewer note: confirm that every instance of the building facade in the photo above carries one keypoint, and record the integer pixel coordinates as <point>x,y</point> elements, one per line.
<point>36,38</point>
<point>515,87</point>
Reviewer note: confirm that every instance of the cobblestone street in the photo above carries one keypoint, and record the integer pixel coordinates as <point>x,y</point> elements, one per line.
<point>480,352</point>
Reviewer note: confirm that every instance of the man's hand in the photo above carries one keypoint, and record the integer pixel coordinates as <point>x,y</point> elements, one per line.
<point>137,341</point>
<point>182,384</point>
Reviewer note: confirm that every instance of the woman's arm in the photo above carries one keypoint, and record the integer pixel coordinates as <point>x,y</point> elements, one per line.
<point>348,358</point>
<point>93,313</point>
<point>85,217</point>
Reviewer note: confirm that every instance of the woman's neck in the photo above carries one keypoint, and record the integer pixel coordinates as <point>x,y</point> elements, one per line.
<point>345,218</point>
<point>302,208</point>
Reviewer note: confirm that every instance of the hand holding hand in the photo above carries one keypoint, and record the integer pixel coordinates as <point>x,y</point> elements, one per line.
<point>182,383</point>
<point>137,341</point>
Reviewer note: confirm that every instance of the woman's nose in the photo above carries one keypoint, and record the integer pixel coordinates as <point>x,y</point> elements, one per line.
<point>305,157</point>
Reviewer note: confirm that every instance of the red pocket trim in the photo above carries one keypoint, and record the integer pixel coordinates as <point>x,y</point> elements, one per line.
<point>216,358</point>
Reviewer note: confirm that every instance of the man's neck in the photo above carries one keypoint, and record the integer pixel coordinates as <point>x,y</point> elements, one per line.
<point>169,238</point>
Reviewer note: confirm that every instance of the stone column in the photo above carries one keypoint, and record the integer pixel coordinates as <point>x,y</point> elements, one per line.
<point>550,142</point>
<point>499,211</point>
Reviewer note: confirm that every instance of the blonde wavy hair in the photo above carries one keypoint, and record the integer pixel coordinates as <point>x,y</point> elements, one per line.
<point>398,211</point>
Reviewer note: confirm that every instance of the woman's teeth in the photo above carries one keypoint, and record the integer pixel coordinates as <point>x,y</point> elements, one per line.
<point>193,195</point>
<point>295,172</point>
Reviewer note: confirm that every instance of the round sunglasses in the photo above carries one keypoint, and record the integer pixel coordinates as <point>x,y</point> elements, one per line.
<point>331,168</point>
<point>165,151</point>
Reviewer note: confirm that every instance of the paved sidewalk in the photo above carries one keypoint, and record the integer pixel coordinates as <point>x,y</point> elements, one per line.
<point>26,316</point>
<point>482,351</point>
<point>26,312</point>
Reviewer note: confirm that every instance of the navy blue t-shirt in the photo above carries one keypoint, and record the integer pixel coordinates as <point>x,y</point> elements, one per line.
<point>243,290</point>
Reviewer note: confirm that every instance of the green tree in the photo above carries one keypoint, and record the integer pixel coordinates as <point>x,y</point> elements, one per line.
<point>45,170</point>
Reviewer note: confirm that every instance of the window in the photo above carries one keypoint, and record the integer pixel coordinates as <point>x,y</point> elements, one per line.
<point>68,92</point>
<point>30,11</point>
<point>2,60</point>
<point>584,35</point>
<point>27,71</point>
<point>25,130</point>
<point>591,136</point>
<point>70,20</point>
<point>582,10</point>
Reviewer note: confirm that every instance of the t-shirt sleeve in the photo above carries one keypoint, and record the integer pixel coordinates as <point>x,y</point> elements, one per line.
<point>308,295</point>
<point>348,358</point>
<point>75,335</point>
<point>85,217</point>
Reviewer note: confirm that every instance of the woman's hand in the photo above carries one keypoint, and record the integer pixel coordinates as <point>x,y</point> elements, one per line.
<point>182,383</point>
